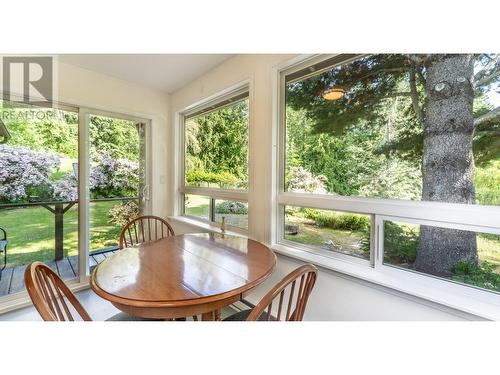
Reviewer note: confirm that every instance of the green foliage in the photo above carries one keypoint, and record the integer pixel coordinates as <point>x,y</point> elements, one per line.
<point>353,163</point>
<point>123,213</point>
<point>117,138</point>
<point>217,143</point>
<point>231,207</point>
<point>487,181</point>
<point>41,129</point>
<point>483,276</point>
<point>400,243</point>
<point>198,177</point>
<point>335,220</point>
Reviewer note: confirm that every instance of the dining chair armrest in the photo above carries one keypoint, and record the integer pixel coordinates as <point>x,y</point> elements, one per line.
<point>4,234</point>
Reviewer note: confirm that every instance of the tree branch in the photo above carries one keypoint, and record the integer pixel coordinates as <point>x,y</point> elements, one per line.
<point>487,79</point>
<point>419,60</point>
<point>370,98</point>
<point>377,71</point>
<point>488,73</point>
<point>414,97</point>
<point>491,116</point>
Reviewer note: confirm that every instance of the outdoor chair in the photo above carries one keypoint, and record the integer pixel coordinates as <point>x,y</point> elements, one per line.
<point>52,298</point>
<point>3,249</point>
<point>144,229</point>
<point>295,304</point>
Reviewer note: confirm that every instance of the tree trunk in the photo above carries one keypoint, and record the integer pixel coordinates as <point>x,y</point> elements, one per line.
<point>448,164</point>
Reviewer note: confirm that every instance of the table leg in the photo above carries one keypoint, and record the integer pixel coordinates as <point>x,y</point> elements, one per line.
<point>209,316</point>
<point>217,315</point>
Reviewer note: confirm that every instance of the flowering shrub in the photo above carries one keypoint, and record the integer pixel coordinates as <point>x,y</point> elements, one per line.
<point>65,188</point>
<point>23,172</point>
<point>114,177</point>
<point>301,180</point>
<point>123,213</point>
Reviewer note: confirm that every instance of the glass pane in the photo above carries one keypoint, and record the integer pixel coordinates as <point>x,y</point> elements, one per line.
<point>234,212</point>
<point>342,232</point>
<point>38,194</point>
<point>196,205</point>
<point>464,256</point>
<point>357,129</point>
<point>216,148</point>
<point>116,178</point>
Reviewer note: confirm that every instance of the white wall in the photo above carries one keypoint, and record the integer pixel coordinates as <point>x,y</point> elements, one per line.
<point>336,297</point>
<point>85,88</point>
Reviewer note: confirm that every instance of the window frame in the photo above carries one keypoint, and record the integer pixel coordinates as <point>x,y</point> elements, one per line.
<point>480,218</point>
<point>205,106</point>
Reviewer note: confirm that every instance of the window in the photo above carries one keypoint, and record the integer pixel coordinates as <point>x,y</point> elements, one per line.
<point>329,231</point>
<point>215,155</point>
<point>362,137</point>
<point>405,246</point>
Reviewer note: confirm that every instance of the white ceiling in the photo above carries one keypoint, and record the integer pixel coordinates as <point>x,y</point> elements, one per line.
<point>167,72</point>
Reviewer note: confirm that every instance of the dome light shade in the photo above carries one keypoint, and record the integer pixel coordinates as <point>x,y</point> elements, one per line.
<point>333,93</point>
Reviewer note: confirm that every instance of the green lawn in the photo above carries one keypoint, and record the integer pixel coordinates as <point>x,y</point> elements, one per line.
<point>197,206</point>
<point>31,232</point>
<point>310,234</point>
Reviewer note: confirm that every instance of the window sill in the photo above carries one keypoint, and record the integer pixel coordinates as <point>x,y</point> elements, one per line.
<point>458,297</point>
<point>467,300</point>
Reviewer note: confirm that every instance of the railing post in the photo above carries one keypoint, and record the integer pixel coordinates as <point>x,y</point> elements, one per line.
<point>59,231</point>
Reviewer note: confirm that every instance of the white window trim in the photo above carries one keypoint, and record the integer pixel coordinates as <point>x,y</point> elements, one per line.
<point>485,219</point>
<point>212,193</point>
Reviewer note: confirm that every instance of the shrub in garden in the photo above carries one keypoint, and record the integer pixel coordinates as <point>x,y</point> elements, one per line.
<point>400,242</point>
<point>230,207</point>
<point>301,180</point>
<point>24,173</point>
<point>336,220</point>
<point>65,188</point>
<point>197,177</point>
<point>123,213</point>
<point>114,178</point>
<point>483,276</point>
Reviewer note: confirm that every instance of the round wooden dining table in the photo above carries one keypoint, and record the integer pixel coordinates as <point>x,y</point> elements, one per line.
<point>184,275</point>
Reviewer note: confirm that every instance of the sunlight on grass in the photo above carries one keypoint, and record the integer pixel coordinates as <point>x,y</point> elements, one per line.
<point>31,232</point>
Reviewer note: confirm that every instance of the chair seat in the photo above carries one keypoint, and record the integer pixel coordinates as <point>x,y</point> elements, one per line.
<point>243,315</point>
<point>3,245</point>
<point>123,317</point>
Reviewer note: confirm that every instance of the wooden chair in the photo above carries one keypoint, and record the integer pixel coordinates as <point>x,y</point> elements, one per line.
<point>295,304</point>
<point>3,249</point>
<point>53,300</point>
<point>144,229</point>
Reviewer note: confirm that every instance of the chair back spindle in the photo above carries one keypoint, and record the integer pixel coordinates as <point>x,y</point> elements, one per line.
<point>50,295</point>
<point>286,289</point>
<point>144,229</point>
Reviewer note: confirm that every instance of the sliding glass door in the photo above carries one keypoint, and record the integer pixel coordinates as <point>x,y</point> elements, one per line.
<point>118,188</point>
<point>50,210</point>
<point>38,192</point>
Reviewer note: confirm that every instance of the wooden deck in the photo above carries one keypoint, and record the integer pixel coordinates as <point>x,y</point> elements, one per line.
<point>67,268</point>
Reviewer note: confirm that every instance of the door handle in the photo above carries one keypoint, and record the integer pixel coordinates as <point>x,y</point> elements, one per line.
<point>145,193</point>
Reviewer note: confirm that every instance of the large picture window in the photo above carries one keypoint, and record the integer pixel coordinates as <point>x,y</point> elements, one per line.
<point>215,153</point>
<point>388,133</point>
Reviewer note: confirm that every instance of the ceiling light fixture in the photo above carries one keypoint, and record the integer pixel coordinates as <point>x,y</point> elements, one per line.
<point>333,93</point>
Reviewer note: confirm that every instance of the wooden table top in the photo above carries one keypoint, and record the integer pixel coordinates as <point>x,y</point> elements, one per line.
<point>188,269</point>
